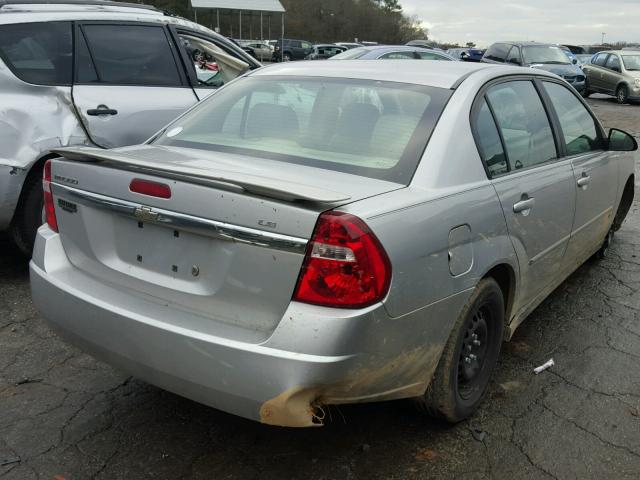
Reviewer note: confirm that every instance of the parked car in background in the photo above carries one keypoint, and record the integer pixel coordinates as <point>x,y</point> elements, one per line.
<point>466,54</point>
<point>391,52</point>
<point>615,73</point>
<point>551,58</point>
<point>129,80</point>
<point>287,50</point>
<point>248,256</point>
<point>422,43</point>
<point>260,50</point>
<point>323,51</point>
<point>570,55</point>
<point>349,45</point>
<point>241,45</point>
<point>575,49</point>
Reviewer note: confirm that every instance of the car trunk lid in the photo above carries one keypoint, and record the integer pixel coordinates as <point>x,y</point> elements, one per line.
<point>227,245</point>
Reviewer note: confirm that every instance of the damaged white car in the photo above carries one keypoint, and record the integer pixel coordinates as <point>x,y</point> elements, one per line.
<point>98,73</point>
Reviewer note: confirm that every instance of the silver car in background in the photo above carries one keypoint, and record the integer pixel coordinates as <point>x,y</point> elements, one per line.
<point>615,73</point>
<point>136,69</point>
<point>392,52</point>
<point>356,232</point>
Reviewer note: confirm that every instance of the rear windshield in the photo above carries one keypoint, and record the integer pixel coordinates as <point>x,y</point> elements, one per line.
<point>368,128</point>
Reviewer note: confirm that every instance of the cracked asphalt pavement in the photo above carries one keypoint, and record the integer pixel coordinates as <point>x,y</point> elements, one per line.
<point>64,415</point>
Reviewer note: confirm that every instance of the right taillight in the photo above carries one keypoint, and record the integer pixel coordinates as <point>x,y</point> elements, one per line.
<point>345,264</point>
<point>49,208</point>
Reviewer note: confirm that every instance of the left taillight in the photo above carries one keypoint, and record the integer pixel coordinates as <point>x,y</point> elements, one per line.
<point>345,264</point>
<point>49,208</point>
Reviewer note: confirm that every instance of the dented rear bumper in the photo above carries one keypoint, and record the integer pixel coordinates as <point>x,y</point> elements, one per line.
<point>315,356</point>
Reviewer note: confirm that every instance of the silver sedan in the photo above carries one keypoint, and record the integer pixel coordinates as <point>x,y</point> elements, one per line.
<point>393,52</point>
<point>352,233</point>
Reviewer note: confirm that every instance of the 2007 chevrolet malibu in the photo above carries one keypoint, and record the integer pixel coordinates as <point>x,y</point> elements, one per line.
<point>336,233</point>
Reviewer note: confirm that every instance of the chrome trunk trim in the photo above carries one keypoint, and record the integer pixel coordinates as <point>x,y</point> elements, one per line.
<point>198,225</point>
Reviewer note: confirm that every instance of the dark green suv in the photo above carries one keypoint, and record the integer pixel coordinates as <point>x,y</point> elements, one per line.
<point>287,50</point>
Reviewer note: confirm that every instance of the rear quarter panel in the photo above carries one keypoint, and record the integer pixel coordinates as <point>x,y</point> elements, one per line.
<point>416,236</point>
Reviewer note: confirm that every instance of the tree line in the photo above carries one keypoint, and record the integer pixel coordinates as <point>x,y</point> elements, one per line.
<point>381,21</point>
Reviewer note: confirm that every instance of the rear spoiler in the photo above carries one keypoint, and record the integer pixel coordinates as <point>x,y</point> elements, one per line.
<point>227,180</point>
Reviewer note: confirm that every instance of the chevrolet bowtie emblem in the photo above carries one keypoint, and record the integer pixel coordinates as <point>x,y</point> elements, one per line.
<point>145,214</point>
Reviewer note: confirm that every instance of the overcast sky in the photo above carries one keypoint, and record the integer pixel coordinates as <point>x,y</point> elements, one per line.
<point>558,21</point>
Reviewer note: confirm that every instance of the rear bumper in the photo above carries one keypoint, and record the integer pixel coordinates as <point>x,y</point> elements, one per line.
<point>315,356</point>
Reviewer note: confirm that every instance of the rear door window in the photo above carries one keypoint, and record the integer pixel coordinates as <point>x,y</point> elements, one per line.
<point>581,134</point>
<point>488,140</point>
<point>39,53</point>
<point>523,124</point>
<point>131,55</point>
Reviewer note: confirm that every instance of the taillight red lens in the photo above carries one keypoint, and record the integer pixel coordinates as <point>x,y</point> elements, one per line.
<point>49,208</point>
<point>345,264</point>
<point>152,189</point>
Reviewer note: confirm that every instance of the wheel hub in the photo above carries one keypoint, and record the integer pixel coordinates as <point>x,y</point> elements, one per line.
<point>473,353</point>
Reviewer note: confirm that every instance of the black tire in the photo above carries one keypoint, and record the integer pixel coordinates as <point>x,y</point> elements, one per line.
<point>622,94</point>
<point>28,215</point>
<point>604,248</point>
<point>459,384</point>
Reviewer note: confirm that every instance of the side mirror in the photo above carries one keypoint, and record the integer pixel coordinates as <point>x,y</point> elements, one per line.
<point>620,141</point>
<point>574,61</point>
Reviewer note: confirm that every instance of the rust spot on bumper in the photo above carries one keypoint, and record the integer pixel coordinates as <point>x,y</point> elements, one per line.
<point>405,376</point>
<point>292,408</point>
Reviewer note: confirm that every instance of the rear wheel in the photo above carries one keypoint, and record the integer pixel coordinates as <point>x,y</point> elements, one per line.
<point>622,94</point>
<point>28,215</point>
<point>469,357</point>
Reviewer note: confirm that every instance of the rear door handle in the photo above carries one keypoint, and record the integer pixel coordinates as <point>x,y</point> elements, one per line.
<point>584,180</point>
<point>523,206</point>
<point>101,110</point>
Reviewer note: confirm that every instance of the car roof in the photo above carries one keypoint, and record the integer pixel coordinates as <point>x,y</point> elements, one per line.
<point>22,11</point>
<point>372,48</point>
<point>433,73</point>
<point>74,5</point>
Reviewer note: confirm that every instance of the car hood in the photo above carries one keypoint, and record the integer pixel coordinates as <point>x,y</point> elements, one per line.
<point>560,70</point>
<point>633,74</point>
